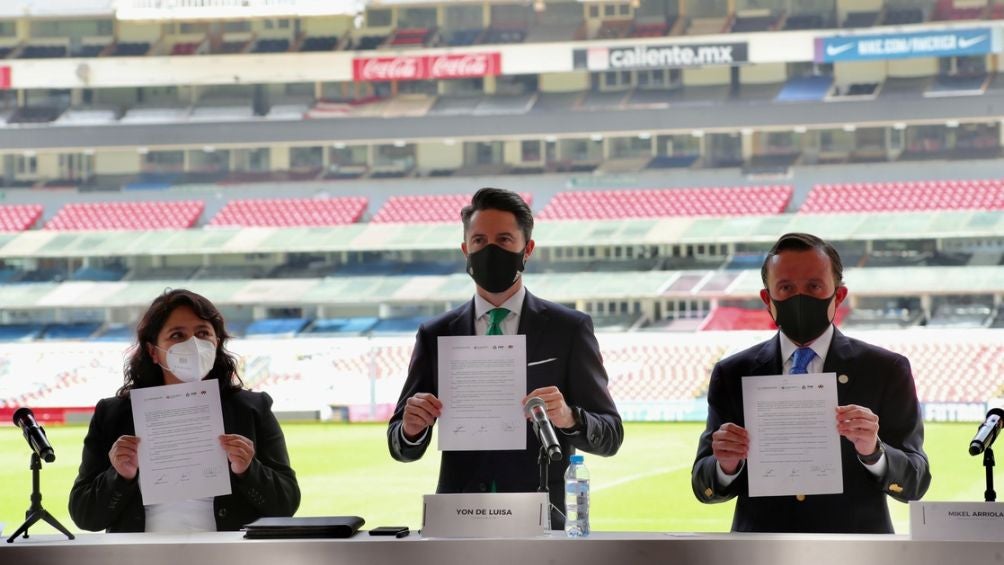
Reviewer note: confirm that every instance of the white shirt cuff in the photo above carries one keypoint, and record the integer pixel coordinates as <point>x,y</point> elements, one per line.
<point>878,469</point>
<point>419,441</point>
<point>726,480</point>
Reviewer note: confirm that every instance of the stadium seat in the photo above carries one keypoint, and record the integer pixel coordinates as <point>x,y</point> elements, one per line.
<point>291,212</point>
<point>656,203</point>
<point>905,196</point>
<point>83,330</point>
<point>14,218</point>
<point>149,215</point>
<point>426,208</point>
<point>275,327</point>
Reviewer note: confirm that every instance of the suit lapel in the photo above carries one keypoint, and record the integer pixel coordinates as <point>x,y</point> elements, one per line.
<point>463,324</point>
<point>841,350</point>
<point>533,324</point>
<point>768,359</point>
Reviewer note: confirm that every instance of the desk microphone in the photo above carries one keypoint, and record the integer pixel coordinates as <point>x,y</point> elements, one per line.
<point>536,409</point>
<point>988,431</point>
<point>34,434</point>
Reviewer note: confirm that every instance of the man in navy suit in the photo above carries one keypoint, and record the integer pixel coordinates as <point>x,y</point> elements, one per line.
<point>564,367</point>
<point>803,287</point>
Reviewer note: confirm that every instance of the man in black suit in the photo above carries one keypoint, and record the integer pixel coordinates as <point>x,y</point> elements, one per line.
<point>803,280</point>
<point>564,367</point>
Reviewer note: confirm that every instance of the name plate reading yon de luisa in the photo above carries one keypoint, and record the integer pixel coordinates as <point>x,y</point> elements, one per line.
<point>956,521</point>
<point>486,515</point>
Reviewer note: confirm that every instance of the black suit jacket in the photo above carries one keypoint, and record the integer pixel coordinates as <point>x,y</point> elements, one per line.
<point>876,378</point>
<point>552,332</point>
<point>102,500</point>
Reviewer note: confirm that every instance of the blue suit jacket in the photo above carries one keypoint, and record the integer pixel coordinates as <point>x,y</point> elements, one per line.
<point>876,378</point>
<point>552,332</point>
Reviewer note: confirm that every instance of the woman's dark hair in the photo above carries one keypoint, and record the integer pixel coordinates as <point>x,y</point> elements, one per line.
<point>140,369</point>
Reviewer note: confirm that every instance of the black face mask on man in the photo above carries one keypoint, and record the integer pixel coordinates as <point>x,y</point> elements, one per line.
<point>803,318</point>
<point>493,268</point>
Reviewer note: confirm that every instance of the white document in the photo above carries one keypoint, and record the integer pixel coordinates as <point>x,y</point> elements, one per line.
<point>482,380</point>
<point>794,445</point>
<point>180,456</point>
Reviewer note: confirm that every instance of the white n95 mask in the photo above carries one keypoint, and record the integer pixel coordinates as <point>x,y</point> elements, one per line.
<point>192,359</point>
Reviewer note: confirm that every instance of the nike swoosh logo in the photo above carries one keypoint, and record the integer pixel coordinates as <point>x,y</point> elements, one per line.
<point>966,43</point>
<point>834,50</point>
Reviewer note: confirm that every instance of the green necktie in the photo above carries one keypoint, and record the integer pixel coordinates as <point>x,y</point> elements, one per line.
<point>495,317</point>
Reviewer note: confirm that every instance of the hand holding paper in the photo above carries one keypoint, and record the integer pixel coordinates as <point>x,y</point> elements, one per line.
<point>731,445</point>
<point>125,457</point>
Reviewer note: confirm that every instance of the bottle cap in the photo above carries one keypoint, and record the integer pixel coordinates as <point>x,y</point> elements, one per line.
<point>576,459</point>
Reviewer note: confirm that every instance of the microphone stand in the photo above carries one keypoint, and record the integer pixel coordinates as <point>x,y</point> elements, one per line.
<point>36,512</point>
<point>544,462</point>
<point>988,461</point>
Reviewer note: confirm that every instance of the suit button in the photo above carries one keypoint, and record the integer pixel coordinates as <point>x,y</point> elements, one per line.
<point>482,487</point>
<point>893,487</point>
<point>800,497</point>
<point>708,492</point>
<point>222,513</point>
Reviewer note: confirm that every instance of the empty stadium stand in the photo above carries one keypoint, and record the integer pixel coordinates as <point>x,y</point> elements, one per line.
<point>290,212</point>
<point>126,216</point>
<point>426,208</point>
<point>15,218</point>
<point>904,196</point>
<point>654,203</point>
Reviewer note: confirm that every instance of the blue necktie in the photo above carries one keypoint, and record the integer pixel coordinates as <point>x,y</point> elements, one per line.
<point>801,359</point>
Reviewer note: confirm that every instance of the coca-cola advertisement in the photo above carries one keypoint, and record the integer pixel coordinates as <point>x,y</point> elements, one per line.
<point>427,67</point>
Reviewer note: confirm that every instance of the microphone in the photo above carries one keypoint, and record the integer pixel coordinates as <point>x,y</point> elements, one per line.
<point>34,434</point>
<point>987,433</point>
<point>536,409</point>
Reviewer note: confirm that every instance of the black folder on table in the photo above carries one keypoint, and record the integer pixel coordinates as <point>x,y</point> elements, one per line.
<point>305,527</point>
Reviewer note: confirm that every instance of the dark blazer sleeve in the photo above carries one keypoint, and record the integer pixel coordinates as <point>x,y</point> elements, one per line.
<point>901,430</point>
<point>99,496</point>
<point>704,475</point>
<point>421,371</point>
<point>270,484</point>
<point>603,431</point>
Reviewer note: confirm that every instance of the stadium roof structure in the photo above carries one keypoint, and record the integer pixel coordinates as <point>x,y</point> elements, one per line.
<point>676,118</point>
<point>447,236</point>
<point>453,289</point>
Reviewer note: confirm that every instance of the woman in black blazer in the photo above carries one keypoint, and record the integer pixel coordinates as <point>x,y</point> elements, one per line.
<point>182,338</point>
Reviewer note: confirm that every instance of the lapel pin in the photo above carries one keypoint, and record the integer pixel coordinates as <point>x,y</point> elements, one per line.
<point>842,379</point>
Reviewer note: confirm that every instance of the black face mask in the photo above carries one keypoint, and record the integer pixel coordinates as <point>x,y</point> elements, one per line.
<point>803,318</point>
<point>493,268</point>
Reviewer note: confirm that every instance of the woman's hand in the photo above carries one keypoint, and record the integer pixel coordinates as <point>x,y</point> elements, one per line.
<point>240,452</point>
<point>124,457</point>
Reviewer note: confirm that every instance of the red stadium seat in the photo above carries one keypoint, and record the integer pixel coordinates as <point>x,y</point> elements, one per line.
<point>19,217</point>
<point>292,212</point>
<point>905,196</point>
<point>127,216</point>
<point>659,203</point>
<point>429,208</point>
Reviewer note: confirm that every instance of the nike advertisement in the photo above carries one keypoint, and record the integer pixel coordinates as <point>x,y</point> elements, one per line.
<point>947,43</point>
<point>660,56</point>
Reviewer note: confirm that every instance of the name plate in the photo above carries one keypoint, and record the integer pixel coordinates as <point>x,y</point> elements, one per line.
<point>486,515</point>
<point>956,521</point>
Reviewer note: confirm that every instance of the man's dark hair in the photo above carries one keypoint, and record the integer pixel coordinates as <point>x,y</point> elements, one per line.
<point>499,199</point>
<point>805,242</point>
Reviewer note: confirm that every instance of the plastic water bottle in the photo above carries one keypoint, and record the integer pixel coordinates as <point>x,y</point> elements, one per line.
<point>576,498</point>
